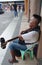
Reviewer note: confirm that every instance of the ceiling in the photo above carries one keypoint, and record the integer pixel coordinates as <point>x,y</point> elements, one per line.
<point>10,0</point>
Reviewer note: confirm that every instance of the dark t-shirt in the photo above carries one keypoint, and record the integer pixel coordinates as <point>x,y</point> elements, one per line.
<point>15,7</point>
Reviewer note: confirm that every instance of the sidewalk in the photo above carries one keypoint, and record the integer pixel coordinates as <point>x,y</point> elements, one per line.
<point>20,24</point>
<point>11,31</point>
<point>7,34</point>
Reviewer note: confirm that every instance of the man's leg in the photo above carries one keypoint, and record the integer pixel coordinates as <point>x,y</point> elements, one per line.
<point>13,46</point>
<point>14,13</point>
<point>13,57</point>
<point>17,14</point>
<point>13,52</point>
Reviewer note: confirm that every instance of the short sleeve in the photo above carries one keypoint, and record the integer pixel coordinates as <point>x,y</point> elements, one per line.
<point>30,37</point>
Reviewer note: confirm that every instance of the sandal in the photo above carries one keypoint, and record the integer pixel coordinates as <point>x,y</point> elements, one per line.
<point>12,61</point>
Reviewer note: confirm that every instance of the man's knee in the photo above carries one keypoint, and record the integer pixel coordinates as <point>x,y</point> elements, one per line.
<point>11,46</point>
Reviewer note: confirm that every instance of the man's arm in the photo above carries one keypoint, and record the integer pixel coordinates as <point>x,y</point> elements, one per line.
<point>30,37</point>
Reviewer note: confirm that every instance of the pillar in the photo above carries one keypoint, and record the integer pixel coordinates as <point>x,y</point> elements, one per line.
<point>39,55</point>
<point>26,6</point>
<point>34,7</point>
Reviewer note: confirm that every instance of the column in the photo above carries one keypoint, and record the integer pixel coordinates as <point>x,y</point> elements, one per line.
<point>26,6</point>
<point>34,7</point>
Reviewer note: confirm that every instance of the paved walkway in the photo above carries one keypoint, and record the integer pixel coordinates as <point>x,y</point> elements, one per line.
<point>5,20</point>
<point>18,24</point>
<point>24,25</point>
<point>11,31</point>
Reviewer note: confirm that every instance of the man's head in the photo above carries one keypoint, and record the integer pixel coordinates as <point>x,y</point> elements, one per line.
<point>35,20</point>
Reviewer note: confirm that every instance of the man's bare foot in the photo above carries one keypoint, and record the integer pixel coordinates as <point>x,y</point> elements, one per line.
<point>13,61</point>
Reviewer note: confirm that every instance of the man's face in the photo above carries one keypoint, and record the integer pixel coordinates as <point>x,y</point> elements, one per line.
<point>33,22</point>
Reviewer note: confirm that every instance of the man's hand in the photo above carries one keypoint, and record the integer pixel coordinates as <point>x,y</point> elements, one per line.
<point>22,32</point>
<point>21,38</point>
<point>4,44</point>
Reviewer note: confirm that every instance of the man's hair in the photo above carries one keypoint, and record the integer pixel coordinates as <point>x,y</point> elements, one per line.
<point>38,17</point>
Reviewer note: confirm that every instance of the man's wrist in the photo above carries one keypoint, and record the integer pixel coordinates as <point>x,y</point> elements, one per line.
<point>21,38</point>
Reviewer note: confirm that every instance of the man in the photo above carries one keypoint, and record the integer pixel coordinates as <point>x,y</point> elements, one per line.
<point>15,9</point>
<point>31,35</point>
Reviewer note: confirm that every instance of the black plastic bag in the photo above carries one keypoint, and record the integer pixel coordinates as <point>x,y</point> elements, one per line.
<point>17,53</point>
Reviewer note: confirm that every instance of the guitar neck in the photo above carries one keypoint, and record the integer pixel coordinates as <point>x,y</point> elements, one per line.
<point>12,39</point>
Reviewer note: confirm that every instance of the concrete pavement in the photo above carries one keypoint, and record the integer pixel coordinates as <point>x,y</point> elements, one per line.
<point>20,26</point>
<point>11,31</point>
<point>5,20</point>
<point>15,28</point>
